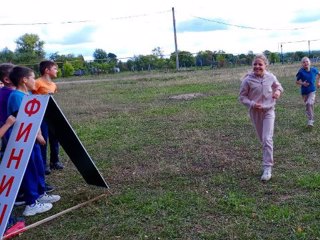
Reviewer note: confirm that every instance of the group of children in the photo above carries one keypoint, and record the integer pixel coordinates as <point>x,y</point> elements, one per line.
<point>259,91</point>
<point>19,81</point>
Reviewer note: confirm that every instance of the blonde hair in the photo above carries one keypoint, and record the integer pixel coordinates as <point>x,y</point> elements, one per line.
<point>305,59</point>
<point>257,56</point>
<point>262,57</point>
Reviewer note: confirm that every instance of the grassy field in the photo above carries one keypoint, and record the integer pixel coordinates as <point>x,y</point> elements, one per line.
<point>183,161</point>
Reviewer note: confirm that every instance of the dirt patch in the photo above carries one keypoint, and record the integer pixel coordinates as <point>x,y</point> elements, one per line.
<point>187,96</point>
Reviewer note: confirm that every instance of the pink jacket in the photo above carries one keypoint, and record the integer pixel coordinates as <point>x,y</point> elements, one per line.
<point>255,89</point>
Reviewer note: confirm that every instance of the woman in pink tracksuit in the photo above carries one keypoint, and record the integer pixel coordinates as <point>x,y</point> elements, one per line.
<point>259,91</point>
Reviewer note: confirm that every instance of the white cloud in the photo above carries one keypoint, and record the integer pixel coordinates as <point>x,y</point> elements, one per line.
<point>127,28</point>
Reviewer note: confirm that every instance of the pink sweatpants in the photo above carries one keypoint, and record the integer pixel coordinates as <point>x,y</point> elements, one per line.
<point>309,100</point>
<point>263,122</point>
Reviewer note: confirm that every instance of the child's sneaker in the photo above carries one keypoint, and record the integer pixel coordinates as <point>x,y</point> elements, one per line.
<point>48,188</point>
<point>46,198</point>
<point>57,165</point>
<point>266,176</point>
<point>15,229</point>
<point>19,203</point>
<point>20,200</point>
<point>35,208</point>
<point>310,123</point>
<point>47,170</point>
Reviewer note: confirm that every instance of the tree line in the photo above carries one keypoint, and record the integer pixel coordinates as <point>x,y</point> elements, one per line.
<point>30,51</point>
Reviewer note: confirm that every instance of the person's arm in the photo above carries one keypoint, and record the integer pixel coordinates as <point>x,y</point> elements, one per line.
<point>40,138</point>
<point>277,89</point>
<point>299,81</point>
<point>243,95</point>
<point>302,83</point>
<point>9,122</point>
<point>318,79</point>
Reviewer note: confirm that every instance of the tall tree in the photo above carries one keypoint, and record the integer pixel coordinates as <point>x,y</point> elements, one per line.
<point>100,55</point>
<point>274,58</point>
<point>186,59</point>
<point>157,52</point>
<point>112,57</point>
<point>6,55</point>
<point>204,58</point>
<point>29,49</point>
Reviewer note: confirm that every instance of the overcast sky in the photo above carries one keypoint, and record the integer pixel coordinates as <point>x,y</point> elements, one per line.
<point>133,27</point>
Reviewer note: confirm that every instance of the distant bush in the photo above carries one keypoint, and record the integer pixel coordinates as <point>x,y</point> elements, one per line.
<point>68,70</point>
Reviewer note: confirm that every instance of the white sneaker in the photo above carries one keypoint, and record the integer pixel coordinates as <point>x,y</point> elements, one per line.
<point>310,123</point>
<point>35,208</point>
<point>46,198</point>
<point>266,176</point>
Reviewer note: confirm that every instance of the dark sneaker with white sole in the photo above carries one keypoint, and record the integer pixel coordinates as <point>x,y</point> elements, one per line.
<point>56,166</point>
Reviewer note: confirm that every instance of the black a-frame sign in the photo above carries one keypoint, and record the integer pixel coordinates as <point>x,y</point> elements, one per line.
<point>72,145</point>
<point>24,132</point>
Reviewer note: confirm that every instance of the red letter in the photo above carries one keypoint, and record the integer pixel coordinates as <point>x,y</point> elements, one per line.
<point>4,185</point>
<point>17,158</point>
<point>3,212</point>
<point>23,132</point>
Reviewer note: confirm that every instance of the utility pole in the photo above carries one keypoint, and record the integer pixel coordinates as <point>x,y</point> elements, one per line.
<point>281,54</point>
<point>175,39</point>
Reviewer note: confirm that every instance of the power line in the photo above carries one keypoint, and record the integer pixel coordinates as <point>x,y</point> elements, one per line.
<point>160,12</point>
<point>140,15</point>
<point>249,27</point>
<point>43,23</point>
<point>301,41</point>
<point>81,21</point>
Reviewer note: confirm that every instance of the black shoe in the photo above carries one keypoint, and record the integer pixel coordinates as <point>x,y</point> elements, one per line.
<point>48,188</point>
<point>57,165</point>
<point>47,171</point>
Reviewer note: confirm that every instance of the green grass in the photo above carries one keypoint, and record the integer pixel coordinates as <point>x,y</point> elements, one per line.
<point>185,168</point>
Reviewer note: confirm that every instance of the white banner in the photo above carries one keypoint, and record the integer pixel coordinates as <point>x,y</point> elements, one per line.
<point>18,151</point>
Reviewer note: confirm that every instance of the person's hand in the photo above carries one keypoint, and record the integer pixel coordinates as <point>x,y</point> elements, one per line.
<point>257,106</point>
<point>41,140</point>
<point>10,120</point>
<point>303,83</point>
<point>276,94</point>
<point>299,82</point>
